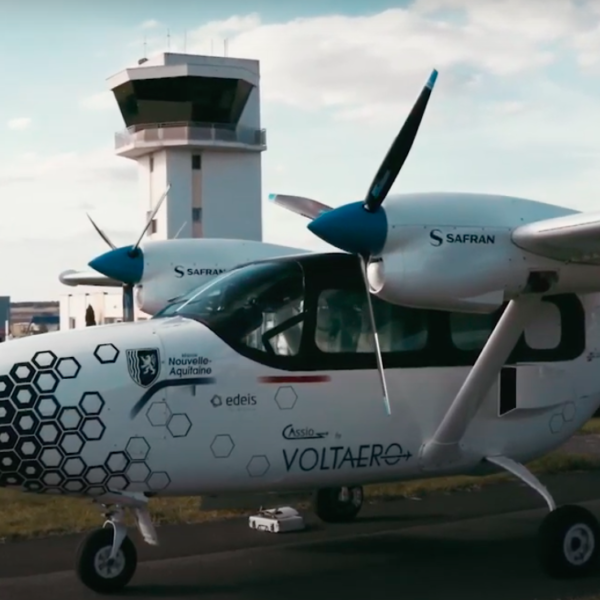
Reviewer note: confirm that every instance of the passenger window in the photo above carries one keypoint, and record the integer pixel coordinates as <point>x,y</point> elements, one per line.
<point>343,324</point>
<point>543,332</point>
<point>471,331</point>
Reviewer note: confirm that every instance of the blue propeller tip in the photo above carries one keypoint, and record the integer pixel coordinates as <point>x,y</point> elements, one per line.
<point>272,197</point>
<point>432,79</point>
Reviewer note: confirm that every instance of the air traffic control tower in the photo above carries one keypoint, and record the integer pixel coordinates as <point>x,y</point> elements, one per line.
<point>194,122</point>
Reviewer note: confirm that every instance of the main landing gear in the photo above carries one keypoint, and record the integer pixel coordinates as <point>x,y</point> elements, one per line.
<point>107,558</point>
<point>568,537</point>
<point>338,505</point>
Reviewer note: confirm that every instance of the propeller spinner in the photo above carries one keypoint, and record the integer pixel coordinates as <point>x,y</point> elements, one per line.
<point>361,227</point>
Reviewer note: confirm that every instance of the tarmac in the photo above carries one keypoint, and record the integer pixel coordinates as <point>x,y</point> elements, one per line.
<point>467,545</point>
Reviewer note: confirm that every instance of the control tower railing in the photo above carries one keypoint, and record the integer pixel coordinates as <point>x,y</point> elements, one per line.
<point>190,131</point>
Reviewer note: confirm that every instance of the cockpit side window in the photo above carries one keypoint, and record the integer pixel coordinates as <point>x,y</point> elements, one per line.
<point>259,307</point>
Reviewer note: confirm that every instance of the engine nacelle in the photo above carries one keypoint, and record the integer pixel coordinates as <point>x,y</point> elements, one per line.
<point>464,269</point>
<point>175,267</point>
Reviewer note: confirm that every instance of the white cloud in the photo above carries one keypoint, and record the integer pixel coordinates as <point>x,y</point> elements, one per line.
<point>150,24</point>
<point>99,101</point>
<point>50,193</point>
<point>19,123</point>
<point>366,67</point>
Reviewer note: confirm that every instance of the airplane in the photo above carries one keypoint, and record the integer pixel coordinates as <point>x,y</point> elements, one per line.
<point>152,273</point>
<point>472,317</point>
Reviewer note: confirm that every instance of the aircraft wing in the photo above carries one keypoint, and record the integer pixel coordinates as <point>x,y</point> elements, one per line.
<point>574,238</point>
<point>74,278</point>
<point>305,207</point>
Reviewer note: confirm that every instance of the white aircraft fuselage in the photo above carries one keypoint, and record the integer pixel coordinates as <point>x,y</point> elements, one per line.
<point>246,427</point>
<point>169,407</point>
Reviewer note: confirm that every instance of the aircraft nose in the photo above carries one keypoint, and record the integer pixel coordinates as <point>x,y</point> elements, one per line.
<point>31,429</point>
<point>124,264</point>
<point>60,393</point>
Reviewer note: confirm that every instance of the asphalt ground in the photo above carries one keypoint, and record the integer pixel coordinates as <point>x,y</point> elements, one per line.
<point>470,545</point>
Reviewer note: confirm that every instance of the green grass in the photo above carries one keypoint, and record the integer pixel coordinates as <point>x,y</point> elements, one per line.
<point>591,427</point>
<point>25,516</point>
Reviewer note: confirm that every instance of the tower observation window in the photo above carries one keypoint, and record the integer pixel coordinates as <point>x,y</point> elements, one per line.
<point>183,99</point>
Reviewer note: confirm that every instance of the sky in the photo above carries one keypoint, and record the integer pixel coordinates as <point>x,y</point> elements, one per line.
<point>516,109</point>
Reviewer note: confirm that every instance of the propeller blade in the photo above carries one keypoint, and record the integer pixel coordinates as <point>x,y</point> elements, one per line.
<point>100,232</point>
<point>304,207</point>
<point>151,218</point>
<point>386,398</point>
<point>128,311</point>
<point>398,152</point>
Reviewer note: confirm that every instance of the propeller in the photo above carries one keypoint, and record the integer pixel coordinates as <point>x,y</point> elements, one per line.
<point>361,227</point>
<point>304,207</point>
<point>378,355</point>
<point>125,264</point>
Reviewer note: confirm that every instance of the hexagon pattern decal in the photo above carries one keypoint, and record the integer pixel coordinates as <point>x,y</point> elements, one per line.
<point>177,424</point>
<point>41,442</point>
<point>566,415</point>
<point>286,397</point>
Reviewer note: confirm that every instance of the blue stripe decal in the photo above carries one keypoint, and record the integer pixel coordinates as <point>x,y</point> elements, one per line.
<point>167,383</point>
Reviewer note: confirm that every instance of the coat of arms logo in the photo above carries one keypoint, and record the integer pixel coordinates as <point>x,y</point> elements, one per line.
<point>143,365</point>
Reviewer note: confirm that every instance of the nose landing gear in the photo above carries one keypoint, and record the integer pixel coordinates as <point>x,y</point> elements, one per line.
<point>107,558</point>
<point>96,566</point>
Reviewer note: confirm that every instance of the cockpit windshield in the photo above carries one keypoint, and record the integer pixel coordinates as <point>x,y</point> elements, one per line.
<point>258,305</point>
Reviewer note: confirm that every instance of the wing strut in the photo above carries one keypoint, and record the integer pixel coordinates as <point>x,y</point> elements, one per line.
<point>444,446</point>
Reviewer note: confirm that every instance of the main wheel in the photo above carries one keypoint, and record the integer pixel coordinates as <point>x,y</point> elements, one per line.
<point>96,571</point>
<point>338,505</point>
<point>568,542</point>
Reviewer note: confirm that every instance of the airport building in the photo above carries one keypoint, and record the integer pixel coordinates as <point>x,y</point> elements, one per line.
<point>192,122</point>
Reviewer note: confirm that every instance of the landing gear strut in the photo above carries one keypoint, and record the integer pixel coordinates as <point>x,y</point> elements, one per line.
<point>338,505</point>
<point>568,537</point>
<point>107,558</point>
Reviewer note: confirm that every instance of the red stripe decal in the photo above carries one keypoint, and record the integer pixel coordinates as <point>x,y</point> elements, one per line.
<point>295,379</point>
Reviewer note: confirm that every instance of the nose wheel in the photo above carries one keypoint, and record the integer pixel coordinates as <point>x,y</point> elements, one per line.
<point>97,569</point>
<point>568,542</point>
<point>107,558</point>
<point>338,505</point>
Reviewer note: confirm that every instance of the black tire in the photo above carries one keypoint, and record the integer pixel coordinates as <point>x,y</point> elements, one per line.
<point>98,541</point>
<point>568,542</point>
<point>331,508</point>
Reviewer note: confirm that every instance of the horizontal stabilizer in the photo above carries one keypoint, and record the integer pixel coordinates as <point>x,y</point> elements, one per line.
<point>74,278</point>
<point>305,207</point>
<point>573,238</point>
